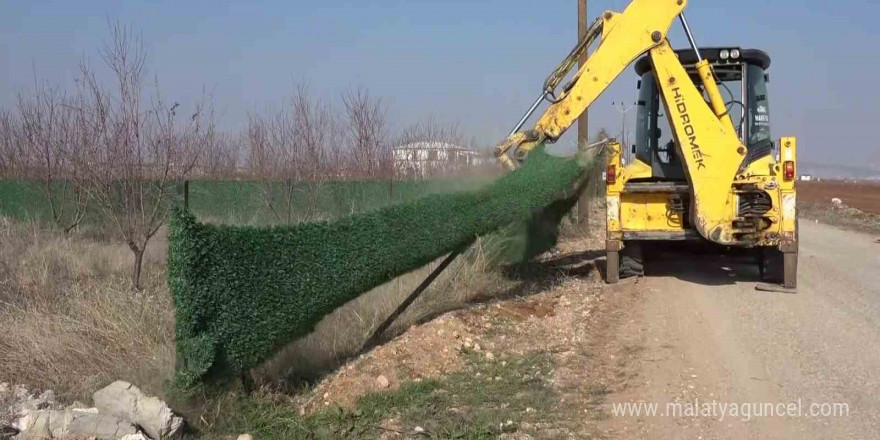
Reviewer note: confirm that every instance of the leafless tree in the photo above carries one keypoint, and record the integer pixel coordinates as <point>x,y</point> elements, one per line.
<point>139,146</point>
<point>9,129</point>
<point>51,142</point>
<point>220,158</point>
<point>314,125</point>
<point>432,130</point>
<point>269,141</point>
<point>290,152</point>
<point>366,129</point>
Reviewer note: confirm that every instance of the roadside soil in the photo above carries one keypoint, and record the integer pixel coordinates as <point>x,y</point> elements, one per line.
<point>864,196</point>
<point>859,209</point>
<point>693,331</point>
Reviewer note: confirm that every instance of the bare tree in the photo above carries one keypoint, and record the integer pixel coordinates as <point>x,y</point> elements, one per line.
<point>8,143</point>
<point>270,151</point>
<point>137,150</point>
<point>289,151</point>
<point>314,125</point>
<point>220,158</point>
<point>432,130</point>
<point>51,142</point>
<point>366,128</point>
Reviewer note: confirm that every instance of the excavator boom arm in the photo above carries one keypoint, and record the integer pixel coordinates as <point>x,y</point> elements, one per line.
<point>625,36</point>
<point>705,137</point>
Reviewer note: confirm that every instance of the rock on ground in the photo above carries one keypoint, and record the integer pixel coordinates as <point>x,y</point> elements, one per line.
<point>383,381</point>
<point>127,402</point>
<point>71,423</point>
<point>17,400</point>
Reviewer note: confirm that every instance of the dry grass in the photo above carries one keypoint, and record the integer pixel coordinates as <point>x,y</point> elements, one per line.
<point>69,319</point>
<point>71,323</point>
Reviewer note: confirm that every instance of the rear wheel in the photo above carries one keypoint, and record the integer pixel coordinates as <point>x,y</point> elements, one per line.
<point>778,267</point>
<point>632,260</point>
<point>771,265</point>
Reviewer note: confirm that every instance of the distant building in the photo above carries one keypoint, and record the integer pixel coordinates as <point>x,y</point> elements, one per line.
<point>421,159</point>
<point>805,177</point>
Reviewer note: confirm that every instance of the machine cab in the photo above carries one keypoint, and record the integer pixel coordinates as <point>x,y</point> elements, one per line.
<point>742,77</point>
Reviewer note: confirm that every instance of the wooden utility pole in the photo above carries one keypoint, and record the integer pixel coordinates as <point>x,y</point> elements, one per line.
<point>583,134</point>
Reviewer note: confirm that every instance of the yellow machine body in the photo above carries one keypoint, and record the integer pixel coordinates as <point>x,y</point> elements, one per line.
<point>725,194</point>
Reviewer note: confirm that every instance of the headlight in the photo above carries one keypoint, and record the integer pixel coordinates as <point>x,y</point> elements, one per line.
<point>734,53</point>
<point>724,54</point>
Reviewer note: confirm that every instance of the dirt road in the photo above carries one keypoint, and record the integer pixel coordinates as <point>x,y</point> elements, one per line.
<point>704,335</point>
<point>693,337</point>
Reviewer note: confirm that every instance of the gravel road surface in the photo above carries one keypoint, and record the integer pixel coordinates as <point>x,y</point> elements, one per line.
<point>704,334</point>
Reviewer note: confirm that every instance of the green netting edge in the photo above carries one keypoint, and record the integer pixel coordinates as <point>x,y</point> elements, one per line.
<point>242,293</point>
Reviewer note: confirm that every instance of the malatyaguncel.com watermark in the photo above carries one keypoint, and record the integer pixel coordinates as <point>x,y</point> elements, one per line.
<point>744,411</point>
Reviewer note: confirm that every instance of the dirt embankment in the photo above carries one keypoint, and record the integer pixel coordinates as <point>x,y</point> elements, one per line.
<point>864,196</point>
<point>850,205</point>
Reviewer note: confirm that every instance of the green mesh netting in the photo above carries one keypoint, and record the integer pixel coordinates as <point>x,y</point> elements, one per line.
<point>242,293</point>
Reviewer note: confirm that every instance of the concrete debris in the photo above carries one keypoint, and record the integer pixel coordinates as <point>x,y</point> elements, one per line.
<point>18,400</point>
<point>245,437</point>
<point>55,424</point>
<point>24,399</point>
<point>77,405</point>
<point>515,436</point>
<point>127,402</point>
<point>121,412</point>
<point>837,202</point>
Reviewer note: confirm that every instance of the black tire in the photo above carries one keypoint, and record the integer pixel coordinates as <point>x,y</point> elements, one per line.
<point>632,260</point>
<point>612,267</point>
<point>771,265</point>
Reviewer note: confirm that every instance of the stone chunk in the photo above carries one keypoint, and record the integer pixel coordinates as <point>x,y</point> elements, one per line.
<point>127,402</point>
<point>42,424</point>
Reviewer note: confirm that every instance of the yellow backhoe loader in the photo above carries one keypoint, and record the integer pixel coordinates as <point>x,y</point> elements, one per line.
<point>703,167</point>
